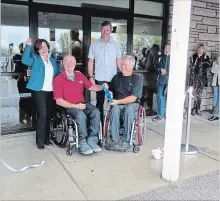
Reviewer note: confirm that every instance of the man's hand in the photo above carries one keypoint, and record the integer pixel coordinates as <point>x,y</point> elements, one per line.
<point>28,41</point>
<point>114,102</point>
<point>91,79</point>
<point>81,106</point>
<point>105,85</point>
<point>163,71</point>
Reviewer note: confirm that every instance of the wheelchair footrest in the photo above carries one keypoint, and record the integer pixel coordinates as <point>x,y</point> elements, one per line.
<point>135,148</point>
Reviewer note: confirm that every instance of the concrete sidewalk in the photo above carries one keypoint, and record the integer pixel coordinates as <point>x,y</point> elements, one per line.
<point>104,176</point>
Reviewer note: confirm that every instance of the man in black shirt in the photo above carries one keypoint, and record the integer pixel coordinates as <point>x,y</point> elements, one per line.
<point>127,92</point>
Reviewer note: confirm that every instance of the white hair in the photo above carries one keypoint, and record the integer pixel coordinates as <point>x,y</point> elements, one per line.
<point>130,58</point>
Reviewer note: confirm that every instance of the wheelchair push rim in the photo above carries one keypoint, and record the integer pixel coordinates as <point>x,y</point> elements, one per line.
<point>61,140</point>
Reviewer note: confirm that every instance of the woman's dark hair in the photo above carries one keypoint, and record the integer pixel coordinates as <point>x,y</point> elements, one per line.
<point>38,45</point>
<point>106,23</point>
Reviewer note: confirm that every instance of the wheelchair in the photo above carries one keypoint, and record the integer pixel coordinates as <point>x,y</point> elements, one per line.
<point>138,131</point>
<point>64,131</point>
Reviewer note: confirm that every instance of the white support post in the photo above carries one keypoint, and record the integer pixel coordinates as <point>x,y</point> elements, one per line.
<point>176,89</point>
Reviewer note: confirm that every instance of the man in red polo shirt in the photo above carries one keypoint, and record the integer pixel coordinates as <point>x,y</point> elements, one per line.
<point>68,93</point>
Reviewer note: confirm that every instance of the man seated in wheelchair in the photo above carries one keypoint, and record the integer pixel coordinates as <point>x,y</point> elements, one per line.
<point>68,93</point>
<point>126,88</point>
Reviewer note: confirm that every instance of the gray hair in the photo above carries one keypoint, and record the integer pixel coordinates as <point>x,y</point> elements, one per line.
<point>130,58</point>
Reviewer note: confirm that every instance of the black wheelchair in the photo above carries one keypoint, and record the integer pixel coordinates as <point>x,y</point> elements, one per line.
<point>138,131</point>
<point>64,131</point>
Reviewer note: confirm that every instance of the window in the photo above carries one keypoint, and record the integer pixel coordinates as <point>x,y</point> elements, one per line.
<point>16,109</point>
<point>148,8</point>
<point>78,3</point>
<point>146,33</point>
<point>65,35</point>
<point>119,31</point>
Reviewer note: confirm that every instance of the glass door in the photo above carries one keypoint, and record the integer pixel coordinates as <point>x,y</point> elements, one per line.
<point>119,34</point>
<point>15,99</point>
<point>64,33</point>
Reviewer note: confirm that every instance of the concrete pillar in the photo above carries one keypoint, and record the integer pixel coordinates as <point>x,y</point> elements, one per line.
<point>175,99</point>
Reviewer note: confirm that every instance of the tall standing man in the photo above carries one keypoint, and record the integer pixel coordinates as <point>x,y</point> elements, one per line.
<point>106,54</point>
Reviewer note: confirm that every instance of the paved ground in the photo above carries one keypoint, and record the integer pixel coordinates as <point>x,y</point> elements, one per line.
<point>107,175</point>
<point>204,187</point>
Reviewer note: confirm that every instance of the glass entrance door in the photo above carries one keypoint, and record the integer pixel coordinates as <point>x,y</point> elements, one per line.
<point>119,34</point>
<point>65,35</point>
<point>15,99</point>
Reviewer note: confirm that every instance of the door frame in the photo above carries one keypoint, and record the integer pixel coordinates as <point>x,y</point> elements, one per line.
<point>87,14</point>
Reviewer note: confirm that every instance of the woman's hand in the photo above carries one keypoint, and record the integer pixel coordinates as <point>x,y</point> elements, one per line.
<point>28,41</point>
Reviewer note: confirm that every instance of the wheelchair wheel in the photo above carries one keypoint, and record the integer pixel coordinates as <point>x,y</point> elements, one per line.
<point>69,152</point>
<point>58,129</point>
<point>141,125</point>
<point>100,143</point>
<point>136,149</point>
<point>106,125</point>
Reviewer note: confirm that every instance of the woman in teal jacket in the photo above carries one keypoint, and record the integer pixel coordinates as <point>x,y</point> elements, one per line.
<point>44,69</point>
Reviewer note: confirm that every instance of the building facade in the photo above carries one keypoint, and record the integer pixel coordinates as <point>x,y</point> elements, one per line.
<point>204,28</point>
<point>137,24</point>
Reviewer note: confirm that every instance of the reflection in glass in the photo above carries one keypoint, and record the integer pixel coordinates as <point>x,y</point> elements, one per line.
<point>118,34</point>
<point>146,49</point>
<point>148,8</point>
<point>16,107</point>
<point>78,3</point>
<point>147,33</point>
<point>13,17</point>
<point>22,80</point>
<point>64,33</point>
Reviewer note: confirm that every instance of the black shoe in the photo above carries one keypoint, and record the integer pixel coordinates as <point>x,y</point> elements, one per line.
<point>157,118</point>
<point>40,147</point>
<point>212,111</point>
<point>193,112</point>
<point>114,145</point>
<point>49,143</point>
<point>213,118</point>
<point>150,112</point>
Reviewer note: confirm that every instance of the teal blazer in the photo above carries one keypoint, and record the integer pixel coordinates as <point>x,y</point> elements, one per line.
<point>37,66</point>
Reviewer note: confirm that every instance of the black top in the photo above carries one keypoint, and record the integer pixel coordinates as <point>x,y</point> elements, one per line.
<point>19,66</point>
<point>198,70</point>
<point>124,86</point>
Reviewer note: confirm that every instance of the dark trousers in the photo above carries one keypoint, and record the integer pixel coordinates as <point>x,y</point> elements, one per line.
<point>44,105</point>
<point>100,99</point>
<point>87,121</point>
<point>25,105</point>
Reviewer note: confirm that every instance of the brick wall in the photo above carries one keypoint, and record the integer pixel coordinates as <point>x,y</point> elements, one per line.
<point>204,28</point>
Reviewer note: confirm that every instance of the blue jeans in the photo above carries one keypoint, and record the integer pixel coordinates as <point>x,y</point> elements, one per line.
<point>88,120</point>
<point>129,113</point>
<point>216,108</point>
<point>160,100</point>
<point>215,95</point>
